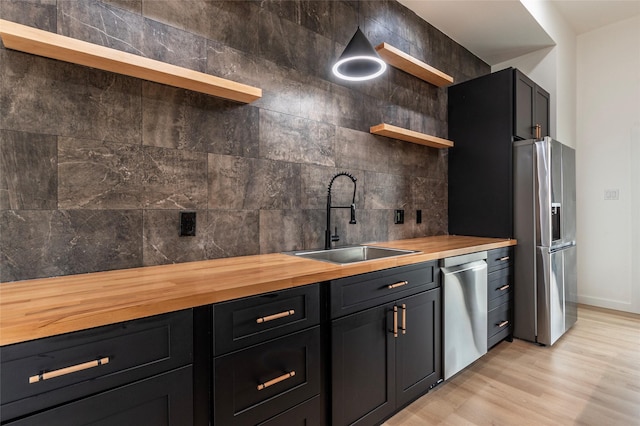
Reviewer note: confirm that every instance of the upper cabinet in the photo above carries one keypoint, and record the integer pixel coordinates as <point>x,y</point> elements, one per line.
<point>51,45</point>
<point>485,116</point>
<point>531,104</point>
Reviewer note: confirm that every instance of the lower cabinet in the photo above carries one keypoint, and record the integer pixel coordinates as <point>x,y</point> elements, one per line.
<point>165,399</point>
<point>384,357</point>
<point>130,373</point>
<point>499,295</point>
<point>267,359</point>
<point>257,383</point>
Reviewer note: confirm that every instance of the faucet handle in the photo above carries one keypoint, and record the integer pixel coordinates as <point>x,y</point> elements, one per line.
<point>335,237</point>
<point>353,214</point>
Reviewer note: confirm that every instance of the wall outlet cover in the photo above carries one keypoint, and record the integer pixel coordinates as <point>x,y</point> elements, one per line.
<point>398,217</point>
<point>187,224</point>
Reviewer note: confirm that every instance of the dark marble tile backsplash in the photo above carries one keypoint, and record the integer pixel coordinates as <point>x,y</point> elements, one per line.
<point>95,167</point>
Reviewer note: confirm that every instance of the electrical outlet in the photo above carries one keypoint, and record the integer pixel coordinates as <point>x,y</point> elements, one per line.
<point>611,194</point>
<point>418,216</point>
<point>187,224</point>
<point>398,217</point>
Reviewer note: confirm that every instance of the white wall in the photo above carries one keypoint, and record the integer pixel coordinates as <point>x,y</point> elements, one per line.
<point>609,158</point>
<point>553,68</point>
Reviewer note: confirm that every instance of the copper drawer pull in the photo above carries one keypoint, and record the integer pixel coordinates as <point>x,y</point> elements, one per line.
<point>276,380</point>
<point>504,287</point>
<point>502,324</point>
<point>68,370</point>
<point>403,327</point>
<point>398,284</point>
<point>395,321</point>
<point>502,259</point>
<point>275,316</point>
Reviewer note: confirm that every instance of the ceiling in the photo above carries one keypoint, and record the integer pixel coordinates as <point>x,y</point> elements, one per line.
<point>499,30</point>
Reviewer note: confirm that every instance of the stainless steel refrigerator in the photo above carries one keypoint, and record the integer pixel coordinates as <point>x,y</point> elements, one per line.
<point>544,190</point>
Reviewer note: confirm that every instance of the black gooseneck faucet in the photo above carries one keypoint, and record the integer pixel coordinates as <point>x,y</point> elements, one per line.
<point>328,238</point>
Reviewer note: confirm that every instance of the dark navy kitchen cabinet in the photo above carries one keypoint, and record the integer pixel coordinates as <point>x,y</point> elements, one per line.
<point>385,356</point>
<point>119,373</point>
<point>485,116</point>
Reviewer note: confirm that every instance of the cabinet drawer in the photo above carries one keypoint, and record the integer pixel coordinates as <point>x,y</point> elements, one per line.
<point>499,283</point>
<point>499,258</point>
<point>305,414</point>
<point>363,291</point>
<point>50,371</point>
<point>165,399</point>
<point>257,383</point>
<point>499,319</point>
<point>244,322</point>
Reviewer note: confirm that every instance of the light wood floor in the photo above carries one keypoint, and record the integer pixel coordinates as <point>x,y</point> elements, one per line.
<point>591,376</point>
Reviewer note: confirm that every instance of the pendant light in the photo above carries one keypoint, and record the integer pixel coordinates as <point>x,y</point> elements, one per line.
<point>359,60</point>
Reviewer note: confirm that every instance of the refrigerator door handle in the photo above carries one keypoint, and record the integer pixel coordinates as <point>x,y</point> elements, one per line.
<point>561,246</point>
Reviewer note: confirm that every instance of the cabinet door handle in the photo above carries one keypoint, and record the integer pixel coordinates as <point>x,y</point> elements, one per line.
<point>502,324</point>
<point>504,287</point>
<point>502,259</point>
<point>395,321</point>
<point>276,380</point>
<point>68,370</point>
<point>275,316</point>
<point>398,284</point>
<point>403,327</point>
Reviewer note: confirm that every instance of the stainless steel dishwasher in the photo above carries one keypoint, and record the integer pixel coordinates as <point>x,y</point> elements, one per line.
<point>465,310</point>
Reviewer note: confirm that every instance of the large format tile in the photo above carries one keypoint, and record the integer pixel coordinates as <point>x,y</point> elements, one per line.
<point>28,171</point>
<point>99,175</point>
<point>219,233</point>
<point>48,243</point>
<point>237,183</point>
<point>162,243</point>
<point>281,230</point>
<point>40,14</point>
<point>40,95</point>
<point>297,140</point>
<point>182,119</point>
<point>386,191</point>
<point>174,179</point>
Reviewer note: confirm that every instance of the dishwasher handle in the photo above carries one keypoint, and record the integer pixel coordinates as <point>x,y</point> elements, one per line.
<point>478,265</point>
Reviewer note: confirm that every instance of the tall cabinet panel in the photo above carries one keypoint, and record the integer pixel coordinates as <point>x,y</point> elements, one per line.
<point>486,115</point>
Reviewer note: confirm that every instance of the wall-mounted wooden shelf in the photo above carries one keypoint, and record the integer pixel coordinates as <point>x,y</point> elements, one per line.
<point>396,132</point>
<point>413,66</point>
<point>50,45</point>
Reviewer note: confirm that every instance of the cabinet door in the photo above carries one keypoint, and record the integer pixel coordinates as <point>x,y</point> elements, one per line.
<point>525,94</point>
<point>165,399</point>
<point>541,108</point>
<point>363,367</point>
<point>418,346</point>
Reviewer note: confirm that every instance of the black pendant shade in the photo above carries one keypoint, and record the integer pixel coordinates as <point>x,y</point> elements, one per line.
<point>359,61</point>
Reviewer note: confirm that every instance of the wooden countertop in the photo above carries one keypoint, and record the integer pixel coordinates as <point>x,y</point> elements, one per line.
<point>45,307</point>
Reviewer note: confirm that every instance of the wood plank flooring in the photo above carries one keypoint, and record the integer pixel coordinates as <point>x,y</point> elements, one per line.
<point>591,376</point>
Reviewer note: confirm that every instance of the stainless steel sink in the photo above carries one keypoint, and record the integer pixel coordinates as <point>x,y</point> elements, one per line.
<point>346,255</point>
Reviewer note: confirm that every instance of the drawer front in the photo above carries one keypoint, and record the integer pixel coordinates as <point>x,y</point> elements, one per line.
<point>352,294</point>
<point>499,258</point>
<point>165,399</point>
<point>46,372</point>
<point>305,414</point>
<point>499,319</point>
<point>244,322</point>
<point>257,383</point>
<point>499,283</point>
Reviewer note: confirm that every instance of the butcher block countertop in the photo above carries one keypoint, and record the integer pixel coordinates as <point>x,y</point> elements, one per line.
<point>45,307</point>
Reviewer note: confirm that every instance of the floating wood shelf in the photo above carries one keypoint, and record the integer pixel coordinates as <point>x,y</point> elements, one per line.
<point>50,45</point>
<point>395,132</point>
<point>413,66</point>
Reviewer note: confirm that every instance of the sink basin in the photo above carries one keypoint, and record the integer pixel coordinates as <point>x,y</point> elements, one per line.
<point>346,255</point>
